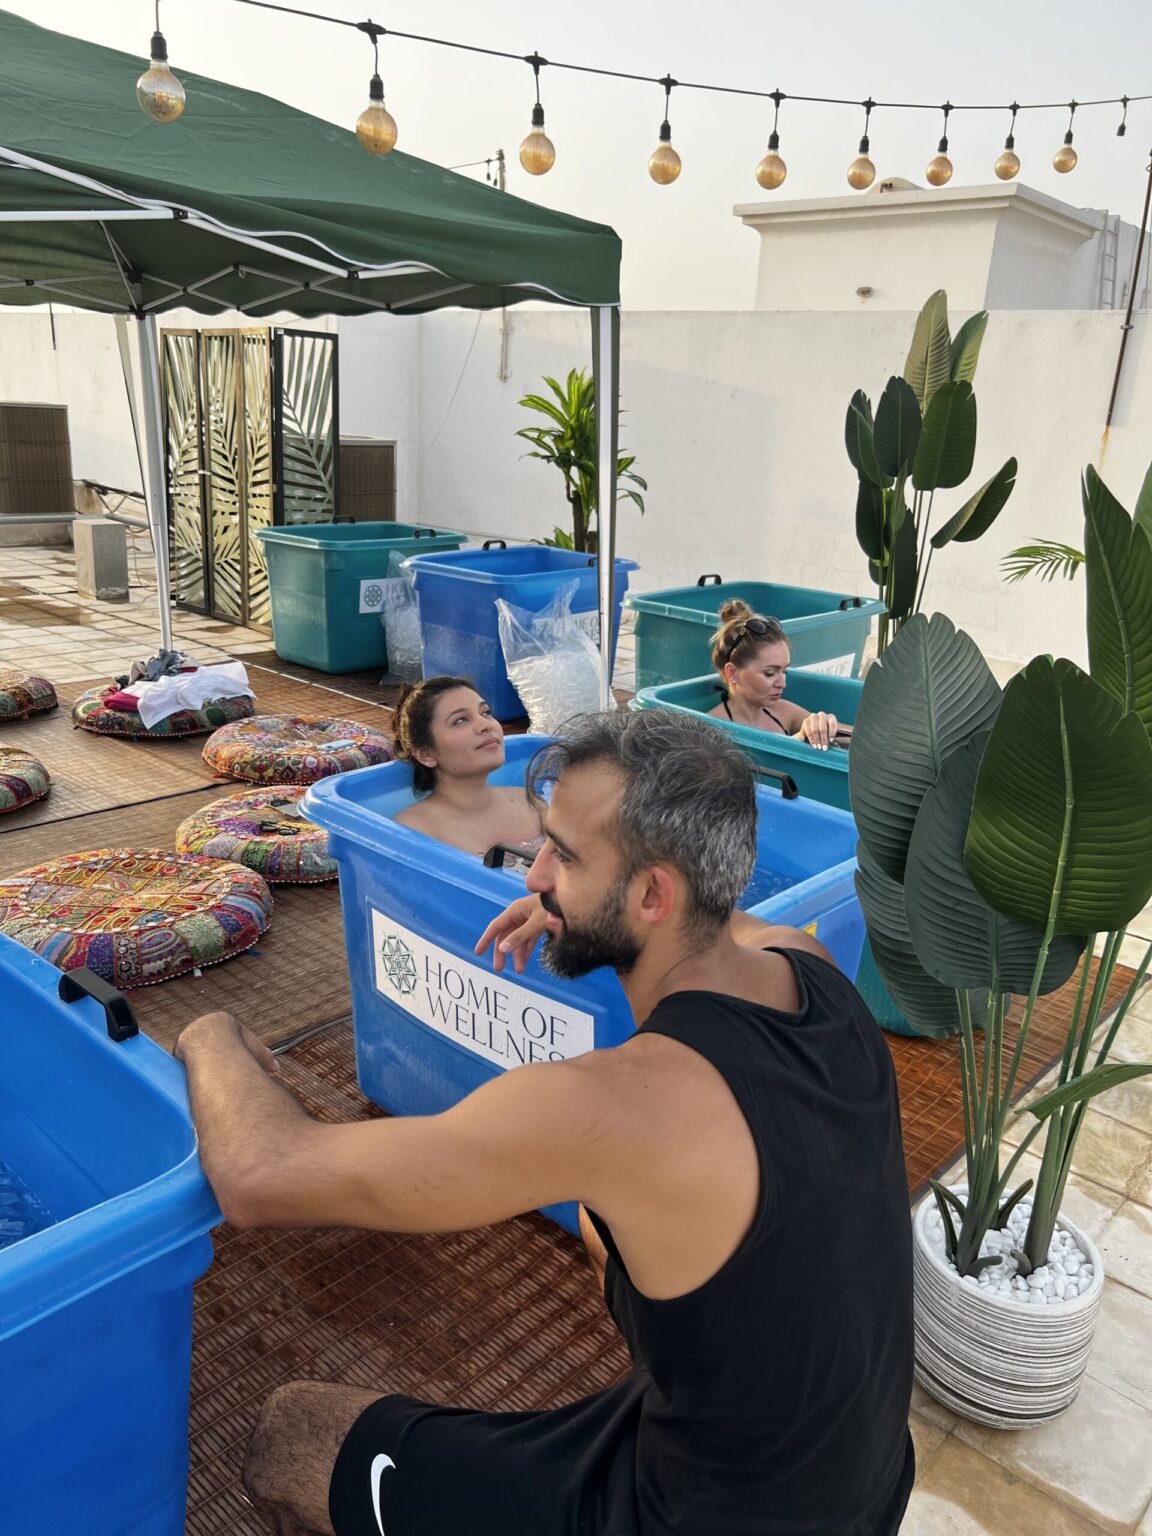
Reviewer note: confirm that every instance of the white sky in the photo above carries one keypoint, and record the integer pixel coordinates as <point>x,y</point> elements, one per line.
<point>682,246</point>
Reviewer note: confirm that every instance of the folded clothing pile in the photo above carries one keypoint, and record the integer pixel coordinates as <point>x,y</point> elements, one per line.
<point>189,688</point>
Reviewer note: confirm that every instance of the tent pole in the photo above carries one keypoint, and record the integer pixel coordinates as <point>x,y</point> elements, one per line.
<point>151,389</point>
<point>606,387</point>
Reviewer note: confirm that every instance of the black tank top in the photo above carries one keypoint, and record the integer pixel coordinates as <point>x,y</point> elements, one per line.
<point>779,1390</point>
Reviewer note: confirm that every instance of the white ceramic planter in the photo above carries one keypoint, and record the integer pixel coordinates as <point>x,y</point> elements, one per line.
<point>993,1360</point>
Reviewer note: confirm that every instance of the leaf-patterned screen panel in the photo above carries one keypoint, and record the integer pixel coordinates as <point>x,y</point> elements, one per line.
<point>259,470</point>
<point>307,426</point>
<point>225,445</point>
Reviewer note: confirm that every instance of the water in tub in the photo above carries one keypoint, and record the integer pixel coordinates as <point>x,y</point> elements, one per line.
<point>21,1213</point>
<point>764,884</point>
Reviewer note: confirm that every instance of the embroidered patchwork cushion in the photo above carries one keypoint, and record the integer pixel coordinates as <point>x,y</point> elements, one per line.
<point>23,694</point>
<point>294,749</point>
<point>91,713</point>
<point>23,779</point>
<point>135,916</point>
<point>262,829</point>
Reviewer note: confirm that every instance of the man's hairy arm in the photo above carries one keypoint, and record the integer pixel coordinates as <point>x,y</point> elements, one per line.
<point>528,1138</point>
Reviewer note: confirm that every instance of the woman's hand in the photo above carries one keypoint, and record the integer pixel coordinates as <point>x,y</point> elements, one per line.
<point>819,730</point>
<point>515,932</point>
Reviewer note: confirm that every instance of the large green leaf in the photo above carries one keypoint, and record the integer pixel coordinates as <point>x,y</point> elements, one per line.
<point>965,352</point>
<point>957,936</point>
<point>947,443</point>
<point>979,512</point>
<point>858,440</point>
<point>928,1006</point>
<point>903,564</point>
<point>1118,566</point>
<point>927,695</point>
<point>1078,1090</point>
<point>928,365</point>
<point>870,519</point>
<point>1061,824</point>
<point>897,429</point>
<point>1143,514</point>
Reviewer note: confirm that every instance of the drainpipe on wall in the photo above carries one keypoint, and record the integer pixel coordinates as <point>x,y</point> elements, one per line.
<point>1127,326</point>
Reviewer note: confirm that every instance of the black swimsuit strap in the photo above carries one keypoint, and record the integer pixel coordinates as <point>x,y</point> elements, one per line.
<point>768,712</point>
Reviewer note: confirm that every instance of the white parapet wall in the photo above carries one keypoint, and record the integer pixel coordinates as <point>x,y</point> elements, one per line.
<point>736,420</point>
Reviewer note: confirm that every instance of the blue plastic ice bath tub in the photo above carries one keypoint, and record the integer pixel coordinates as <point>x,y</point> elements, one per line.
<point>433,1021</point>
<point>456,592</point>
<point>819,776</point>
<point>98,1165</point>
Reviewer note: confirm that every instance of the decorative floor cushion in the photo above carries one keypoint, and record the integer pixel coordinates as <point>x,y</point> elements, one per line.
<point>23,694</point>
<point>263,830</point>
<point>23,779</point>
<point>92,712</point>
<point>294,749</point>
<point>135,916</point>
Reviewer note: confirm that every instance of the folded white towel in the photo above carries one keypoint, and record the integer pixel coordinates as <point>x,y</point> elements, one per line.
<point>190,690</point>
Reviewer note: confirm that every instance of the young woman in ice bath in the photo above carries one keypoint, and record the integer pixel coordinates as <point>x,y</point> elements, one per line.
<point>751,654</point>
<point>446,731</point>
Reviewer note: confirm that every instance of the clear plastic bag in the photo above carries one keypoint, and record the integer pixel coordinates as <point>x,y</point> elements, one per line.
<point>552,663</point>
<point>401,620</point>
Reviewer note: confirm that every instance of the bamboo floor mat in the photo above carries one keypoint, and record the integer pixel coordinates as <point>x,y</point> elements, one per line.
<point>505,1318</point>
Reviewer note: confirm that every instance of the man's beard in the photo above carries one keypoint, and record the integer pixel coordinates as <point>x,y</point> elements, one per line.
<point>577,949</point>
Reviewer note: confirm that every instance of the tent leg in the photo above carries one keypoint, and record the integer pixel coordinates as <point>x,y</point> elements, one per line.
<point>151,390</point>
<point>606,382</point>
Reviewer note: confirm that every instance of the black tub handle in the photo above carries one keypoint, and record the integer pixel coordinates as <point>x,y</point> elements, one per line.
<point>787,783</point>
<point>850,602</point>
<point>118,1013</point>
<point>494,858</point>
<point>495,543</point>
<point>711,580</point>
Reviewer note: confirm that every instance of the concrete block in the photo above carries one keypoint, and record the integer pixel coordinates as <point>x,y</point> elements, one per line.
<point>101,559</point>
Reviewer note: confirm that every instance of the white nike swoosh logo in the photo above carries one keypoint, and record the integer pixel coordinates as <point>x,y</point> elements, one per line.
<point>380,1465</point>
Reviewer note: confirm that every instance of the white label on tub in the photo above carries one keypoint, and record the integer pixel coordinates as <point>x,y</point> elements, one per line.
<point>590,623</point>
<point>835,666</point>
<point>486,1013</point>
<point>378,594</point>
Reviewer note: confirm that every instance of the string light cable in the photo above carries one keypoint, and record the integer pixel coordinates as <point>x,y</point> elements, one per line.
<point>537,148</point>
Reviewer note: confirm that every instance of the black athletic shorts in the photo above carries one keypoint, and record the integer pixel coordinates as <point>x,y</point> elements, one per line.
<point>409,1468</point>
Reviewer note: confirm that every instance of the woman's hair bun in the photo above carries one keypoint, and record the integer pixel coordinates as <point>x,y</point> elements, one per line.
<point>735,608</point>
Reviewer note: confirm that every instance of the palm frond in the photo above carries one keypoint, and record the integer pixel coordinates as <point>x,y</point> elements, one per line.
<point>1045,558</point>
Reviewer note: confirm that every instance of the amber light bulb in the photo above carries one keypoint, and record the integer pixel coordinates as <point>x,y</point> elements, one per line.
<point>158,91</point>
<point>664,162</point>
<point>771,171</point>
<point>862,173</point>
<point>376,127</point>
<point>1008,163</point>
<point>1065,158</point>
<point>537,152</point>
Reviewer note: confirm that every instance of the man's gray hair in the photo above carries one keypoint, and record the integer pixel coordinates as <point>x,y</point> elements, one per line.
<point>689,799</point>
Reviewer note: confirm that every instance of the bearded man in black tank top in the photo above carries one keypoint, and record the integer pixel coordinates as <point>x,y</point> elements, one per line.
<point>740,1168</point>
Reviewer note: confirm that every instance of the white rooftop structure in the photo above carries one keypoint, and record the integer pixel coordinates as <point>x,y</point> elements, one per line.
<point>1004,246</point>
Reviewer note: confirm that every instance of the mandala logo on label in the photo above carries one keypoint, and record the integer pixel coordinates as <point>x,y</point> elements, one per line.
<point>398,964</point>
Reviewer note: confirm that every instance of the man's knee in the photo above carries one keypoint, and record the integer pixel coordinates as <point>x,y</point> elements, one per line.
<point>281,1425</point>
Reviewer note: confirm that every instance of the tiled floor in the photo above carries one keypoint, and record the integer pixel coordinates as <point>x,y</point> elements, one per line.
<point>1091,1471</point>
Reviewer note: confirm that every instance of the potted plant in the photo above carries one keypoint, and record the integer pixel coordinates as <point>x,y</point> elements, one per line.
<point>1001,836</point>
<point>569,442</point>
<point>923,439</point>
<point>1047,558</point>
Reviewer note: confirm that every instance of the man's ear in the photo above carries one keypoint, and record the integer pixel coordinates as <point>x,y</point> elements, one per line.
<point>659,892</point>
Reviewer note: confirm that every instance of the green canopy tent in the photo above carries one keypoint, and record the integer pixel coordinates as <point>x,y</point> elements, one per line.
<point>246,204</point>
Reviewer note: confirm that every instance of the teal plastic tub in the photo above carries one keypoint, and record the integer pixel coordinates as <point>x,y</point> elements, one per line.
<point>826,630</point>
<point>821,776</point>
<point>327,582</point>
<point>104,1220</point>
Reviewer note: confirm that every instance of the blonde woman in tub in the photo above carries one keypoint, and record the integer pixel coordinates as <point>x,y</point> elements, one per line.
<point>446,731</point>
<point>740,1166</point>
<point>752,654</point>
